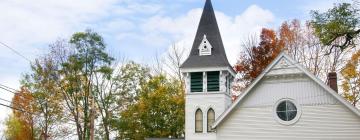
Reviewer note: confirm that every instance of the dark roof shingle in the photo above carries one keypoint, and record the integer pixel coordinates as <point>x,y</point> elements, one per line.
<point>208,26</point>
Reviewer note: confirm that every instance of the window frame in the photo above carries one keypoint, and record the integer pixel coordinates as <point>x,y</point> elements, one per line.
<point>209,129</point>
<point>290,122</point>
<point>201,125</point>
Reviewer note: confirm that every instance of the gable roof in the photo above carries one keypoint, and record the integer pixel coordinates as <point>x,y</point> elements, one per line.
<point>261,76</point>
<point>208,26</point>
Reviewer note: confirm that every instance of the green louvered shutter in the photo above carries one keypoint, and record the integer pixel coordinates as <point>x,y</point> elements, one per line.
<point>213,81</point>
<point>196,82</point>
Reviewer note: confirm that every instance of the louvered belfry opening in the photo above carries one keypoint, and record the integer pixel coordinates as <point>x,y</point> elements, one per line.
<point>196,82</point>
<point>213,81</point>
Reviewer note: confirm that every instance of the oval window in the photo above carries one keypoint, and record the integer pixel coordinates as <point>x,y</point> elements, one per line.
<point>287,111</point>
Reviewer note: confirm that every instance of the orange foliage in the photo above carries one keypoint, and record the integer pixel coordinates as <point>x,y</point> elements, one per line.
<point>23,109</point>
<point>256,58</point>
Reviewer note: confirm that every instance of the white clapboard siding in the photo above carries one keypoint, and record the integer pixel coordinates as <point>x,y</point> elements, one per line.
<point>302,89</point>
<point>322,116</point>
<point>316,122</point>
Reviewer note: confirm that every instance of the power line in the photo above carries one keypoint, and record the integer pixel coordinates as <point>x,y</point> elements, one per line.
<point>13,50</point>
<point>9,87</point>
<point>11,106</point>
<point>14,92</point>
<point>5,100</point>
<point>14,108</point>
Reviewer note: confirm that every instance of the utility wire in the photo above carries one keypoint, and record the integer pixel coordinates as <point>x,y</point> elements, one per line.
<point>14,108</point>
<point>14,92</point>
<point>9,87</point>
<point>13,50</point>
<point>5,100</point>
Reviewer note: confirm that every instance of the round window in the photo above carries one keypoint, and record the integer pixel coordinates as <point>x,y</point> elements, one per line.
<point>287,111</point>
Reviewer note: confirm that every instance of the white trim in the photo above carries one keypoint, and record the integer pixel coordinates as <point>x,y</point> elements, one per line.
<point>298,112</point>
<point>275,61</point>
<point>184,70</point>
<point>208,93</point>
<point>204,77</point>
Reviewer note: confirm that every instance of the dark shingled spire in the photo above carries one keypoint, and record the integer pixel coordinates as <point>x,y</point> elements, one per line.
<point>209,27</point>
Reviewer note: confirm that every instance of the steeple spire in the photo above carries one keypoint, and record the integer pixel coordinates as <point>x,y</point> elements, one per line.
<point>207,27</point>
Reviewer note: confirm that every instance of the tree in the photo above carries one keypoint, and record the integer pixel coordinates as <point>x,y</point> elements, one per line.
<point>20,125</point>
<point>77,73</point>
<point>129,79</point>
<point>115,92</point>
<point>301,43</point>
<point>159,111</point>
<point>256,58</point>
<point>14,128</point>
<point>47,99</point>
<point>338,26</point>
<point>173,60</point>
<point>351,82</point>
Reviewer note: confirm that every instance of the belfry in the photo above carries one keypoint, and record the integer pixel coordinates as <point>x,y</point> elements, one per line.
<point>207,75</point>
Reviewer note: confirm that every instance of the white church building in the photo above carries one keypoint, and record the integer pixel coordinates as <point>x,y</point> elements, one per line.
<point>284,102</point>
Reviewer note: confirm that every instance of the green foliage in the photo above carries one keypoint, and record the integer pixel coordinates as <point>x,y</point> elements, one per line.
<point>129,80</point>
<point>13,128</point>
<point>340,22</point>
<point>79,72</point>
<point>159,112</point>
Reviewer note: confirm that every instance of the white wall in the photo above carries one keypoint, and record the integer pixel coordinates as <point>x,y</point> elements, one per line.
<point>322,116</point>
<point>217,101</point>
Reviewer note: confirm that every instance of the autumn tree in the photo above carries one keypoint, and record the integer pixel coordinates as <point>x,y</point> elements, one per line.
<point>338,27</point>
<point>351,79</point>
<point>20,125</point>
<point>47,98</point>
<point>255,59</point>
<point>159,111</point>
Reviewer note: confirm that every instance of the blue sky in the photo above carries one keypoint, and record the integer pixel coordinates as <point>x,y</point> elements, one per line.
<point>135,29</point>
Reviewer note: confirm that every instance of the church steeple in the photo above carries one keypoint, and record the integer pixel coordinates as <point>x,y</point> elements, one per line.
<point>207,77</point>
<point>209,29</point>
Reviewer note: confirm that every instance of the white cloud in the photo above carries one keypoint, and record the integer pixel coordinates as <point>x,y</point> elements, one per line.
<point>233,29</point>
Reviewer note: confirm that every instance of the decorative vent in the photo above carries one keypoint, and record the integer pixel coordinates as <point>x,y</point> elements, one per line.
<point>205,47</point>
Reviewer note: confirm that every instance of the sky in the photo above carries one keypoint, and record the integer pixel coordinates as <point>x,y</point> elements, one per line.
<point>135,29</point>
